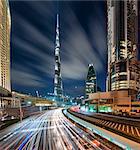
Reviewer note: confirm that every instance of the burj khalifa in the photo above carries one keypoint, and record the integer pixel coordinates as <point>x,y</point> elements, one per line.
<point>58,88</point>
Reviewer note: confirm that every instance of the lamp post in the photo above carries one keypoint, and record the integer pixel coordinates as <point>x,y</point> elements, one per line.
<point>20,110</point>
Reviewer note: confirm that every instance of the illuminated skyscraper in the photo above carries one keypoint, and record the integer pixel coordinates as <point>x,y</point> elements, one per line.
<point>123,66</point>
<point>5,25</point>
<point>91,85</point>
<point>58,88</point>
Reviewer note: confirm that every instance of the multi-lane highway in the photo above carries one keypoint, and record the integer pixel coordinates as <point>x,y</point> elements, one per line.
<point>50,130</point>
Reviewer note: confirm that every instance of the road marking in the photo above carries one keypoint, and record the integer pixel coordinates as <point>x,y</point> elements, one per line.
<point>112,125</point>
<point>103,122</point>
<point>127,128</point>
<point>99,121</point>
<point>137,131</point>
<point>119,126</point>
<point>132,130</point>
<point>109,123</point>
<point>116,125</point>
<point>44,139</point>
<point>123,127</point>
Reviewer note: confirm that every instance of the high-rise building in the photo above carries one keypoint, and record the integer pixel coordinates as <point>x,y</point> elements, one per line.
<point>91,83</point>
<point>5,25</point>
<point>123,66</point>
<point>58,88</point>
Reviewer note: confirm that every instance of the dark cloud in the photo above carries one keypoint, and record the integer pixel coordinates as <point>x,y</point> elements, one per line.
<point>83,41</point>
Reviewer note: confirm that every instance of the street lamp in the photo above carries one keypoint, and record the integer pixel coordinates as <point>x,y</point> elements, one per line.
<point>20,110</point>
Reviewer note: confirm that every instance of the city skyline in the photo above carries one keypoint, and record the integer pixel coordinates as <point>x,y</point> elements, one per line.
<point>63,55</point>
<point>37,73</point>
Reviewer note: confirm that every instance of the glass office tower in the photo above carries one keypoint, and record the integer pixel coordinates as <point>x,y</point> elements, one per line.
<point>91,84</point>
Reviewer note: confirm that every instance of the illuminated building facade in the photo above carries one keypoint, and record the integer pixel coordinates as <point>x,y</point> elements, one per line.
<point>123,78</point>
<point>123,66</point>
<point>113,101</point>
<point>58,88</point>
<point>91,85</point>
<point>5,25</point>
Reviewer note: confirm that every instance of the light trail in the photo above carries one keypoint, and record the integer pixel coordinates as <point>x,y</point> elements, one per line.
<point>124,143</point>
<point>50,130</point>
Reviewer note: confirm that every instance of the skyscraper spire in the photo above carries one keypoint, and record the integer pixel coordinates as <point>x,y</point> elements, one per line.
<point>57,20</point>
<point>58,88</point>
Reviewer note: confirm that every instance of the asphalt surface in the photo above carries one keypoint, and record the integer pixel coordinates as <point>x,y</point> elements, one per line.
<point>127,127</point>
<point>49,130</point>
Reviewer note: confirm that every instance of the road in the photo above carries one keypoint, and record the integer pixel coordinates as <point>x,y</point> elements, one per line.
<point>128,126</point>
<point>49,130</point>
<point>123,142</point>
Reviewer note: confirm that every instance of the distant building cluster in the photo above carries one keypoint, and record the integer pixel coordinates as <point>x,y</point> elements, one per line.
<point>123,74</point>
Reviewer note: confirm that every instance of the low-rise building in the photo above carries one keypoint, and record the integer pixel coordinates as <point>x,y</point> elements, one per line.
<point>113,101</point>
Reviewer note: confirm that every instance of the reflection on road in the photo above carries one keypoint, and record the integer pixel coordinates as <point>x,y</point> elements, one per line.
<point>50,130</point>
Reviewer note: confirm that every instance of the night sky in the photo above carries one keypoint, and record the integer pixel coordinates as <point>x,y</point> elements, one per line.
<point>82,37</point>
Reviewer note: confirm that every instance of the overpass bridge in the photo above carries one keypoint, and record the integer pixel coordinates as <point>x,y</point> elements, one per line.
<point>28,100</point>
<point>19,103</point>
